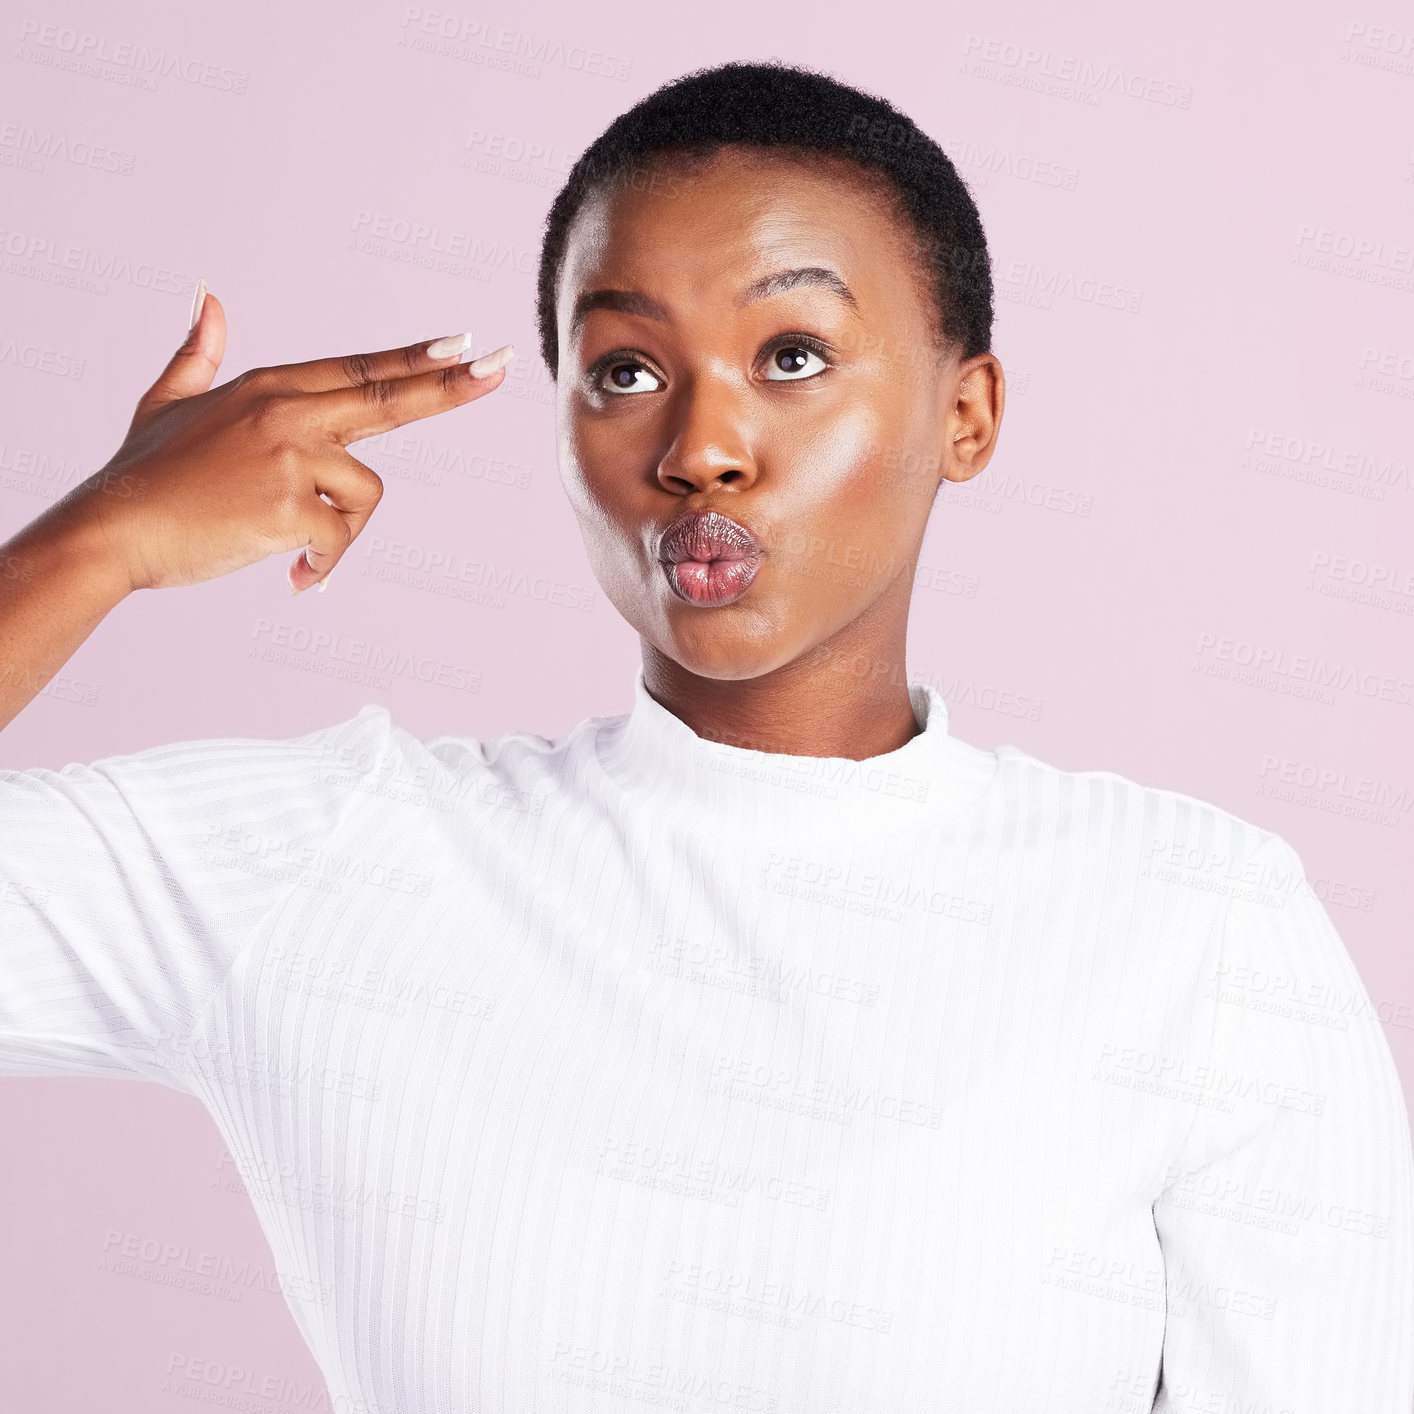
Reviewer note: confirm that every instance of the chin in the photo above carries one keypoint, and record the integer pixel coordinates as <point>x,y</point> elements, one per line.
<point>728,645</point>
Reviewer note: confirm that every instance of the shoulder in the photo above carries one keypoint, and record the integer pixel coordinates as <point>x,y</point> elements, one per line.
<point>1135,826</point>
<point>208,768</point>
<point>223,815</point>
<point>371,724</point>
<point>450,770</point>
<point>366,761</point>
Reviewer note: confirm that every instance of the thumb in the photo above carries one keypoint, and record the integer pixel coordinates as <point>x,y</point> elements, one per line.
<point>193,367</point>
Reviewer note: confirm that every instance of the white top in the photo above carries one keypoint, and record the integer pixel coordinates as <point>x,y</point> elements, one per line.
<point>633,1069</point>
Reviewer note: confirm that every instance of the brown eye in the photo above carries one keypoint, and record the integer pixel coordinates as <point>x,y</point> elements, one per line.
<point>792,362</point>
<point>624,376</point>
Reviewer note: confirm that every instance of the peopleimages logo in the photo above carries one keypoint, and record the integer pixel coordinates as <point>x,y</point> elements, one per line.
<point>333,655</point>
<point>1268,665</point>
<point>517,158</point>
<point>32,147</point>
<point>1064,75</point>
<point>42,257</point>
<point>1356,471</point>
<point>62,47</point>
<point>1030,282</point>
<point>443,571</point>
<point>376,231</point>
<point>39,359</point>
<point>981,162</point>
<point>421,459</point>
<point>475,41</point>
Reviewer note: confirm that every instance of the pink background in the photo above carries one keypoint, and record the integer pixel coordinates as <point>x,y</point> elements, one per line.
<point>1202,229</point>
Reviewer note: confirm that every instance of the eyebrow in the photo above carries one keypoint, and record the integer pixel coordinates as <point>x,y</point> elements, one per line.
<point>784,280</point>
<point>632,302</point>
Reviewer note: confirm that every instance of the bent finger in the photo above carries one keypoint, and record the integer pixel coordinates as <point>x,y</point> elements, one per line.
<point>354,491</point>
<point>330,534</point>
<point>353,488</point>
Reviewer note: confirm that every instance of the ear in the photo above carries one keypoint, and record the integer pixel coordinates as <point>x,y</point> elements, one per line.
<point>974,396</point>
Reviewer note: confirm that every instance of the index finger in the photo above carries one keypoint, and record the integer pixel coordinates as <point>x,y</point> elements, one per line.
<point>351,414</point>
<point>351,370</point>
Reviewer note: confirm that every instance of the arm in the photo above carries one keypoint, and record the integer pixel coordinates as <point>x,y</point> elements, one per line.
<point>129,887</point>
<point>1288,1227</point>
<point>59,578</point>
<point>209,480</point>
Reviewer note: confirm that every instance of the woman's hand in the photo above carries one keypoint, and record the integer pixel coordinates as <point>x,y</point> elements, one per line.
<point>210,480</point>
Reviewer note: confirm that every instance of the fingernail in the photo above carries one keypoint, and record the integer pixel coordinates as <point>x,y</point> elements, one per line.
<point>452,344</point>
<point>290,573</point>
<point>322,584</point>
<point>489,363</point>
<point>197,301</point>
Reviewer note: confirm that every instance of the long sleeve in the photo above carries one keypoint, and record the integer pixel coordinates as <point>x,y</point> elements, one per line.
<point>129,886</point>
<point>1287,1228</point>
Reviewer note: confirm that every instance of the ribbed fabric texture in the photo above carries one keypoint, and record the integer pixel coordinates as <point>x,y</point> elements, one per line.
<point>633,1069</point>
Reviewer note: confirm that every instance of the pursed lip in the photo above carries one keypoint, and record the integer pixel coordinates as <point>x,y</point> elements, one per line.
<point>706,536</point>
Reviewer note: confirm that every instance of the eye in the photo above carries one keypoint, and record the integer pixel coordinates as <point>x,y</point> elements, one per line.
<point>794,361</point>
<point>625,375</point>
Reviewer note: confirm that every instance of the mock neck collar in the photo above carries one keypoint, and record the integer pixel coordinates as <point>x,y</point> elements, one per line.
<point>662,764</point>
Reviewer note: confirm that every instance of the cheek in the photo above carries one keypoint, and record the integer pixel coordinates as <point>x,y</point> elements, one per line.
<point>841,452</point>
<point>598,495</point>
<point>579,492</point>
<point>602,460</point>
<point>878,460</point>
<point>834,490</point>
<point>848,525</point>
<point>589,486</point>
<point>573,456</point>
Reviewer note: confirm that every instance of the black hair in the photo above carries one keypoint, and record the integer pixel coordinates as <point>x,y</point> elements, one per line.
<point>777,105</point>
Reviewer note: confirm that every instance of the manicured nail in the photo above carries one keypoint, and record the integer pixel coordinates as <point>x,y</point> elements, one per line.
<point>487,364</point>
<point>290,573</point>
<point>197,301</point>
<point>322,584</point>
<point>452,344</point>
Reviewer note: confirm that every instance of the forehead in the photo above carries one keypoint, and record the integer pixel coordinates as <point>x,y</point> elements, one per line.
<point>705,226</point>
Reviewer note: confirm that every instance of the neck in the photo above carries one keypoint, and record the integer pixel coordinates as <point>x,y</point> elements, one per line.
<point>677,781</point>
<point>817,705</point>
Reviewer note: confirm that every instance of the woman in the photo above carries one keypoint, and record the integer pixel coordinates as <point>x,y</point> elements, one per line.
<point>766,1047</point>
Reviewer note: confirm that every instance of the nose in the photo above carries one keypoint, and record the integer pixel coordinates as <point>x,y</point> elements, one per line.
<point>710,446</point>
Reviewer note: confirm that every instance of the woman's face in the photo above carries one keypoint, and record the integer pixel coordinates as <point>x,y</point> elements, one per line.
<point>698,374</point>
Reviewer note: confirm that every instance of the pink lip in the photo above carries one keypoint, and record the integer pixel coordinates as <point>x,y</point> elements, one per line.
<point>708,558</point>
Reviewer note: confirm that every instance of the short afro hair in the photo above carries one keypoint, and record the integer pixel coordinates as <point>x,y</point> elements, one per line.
<point>777,105</point>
